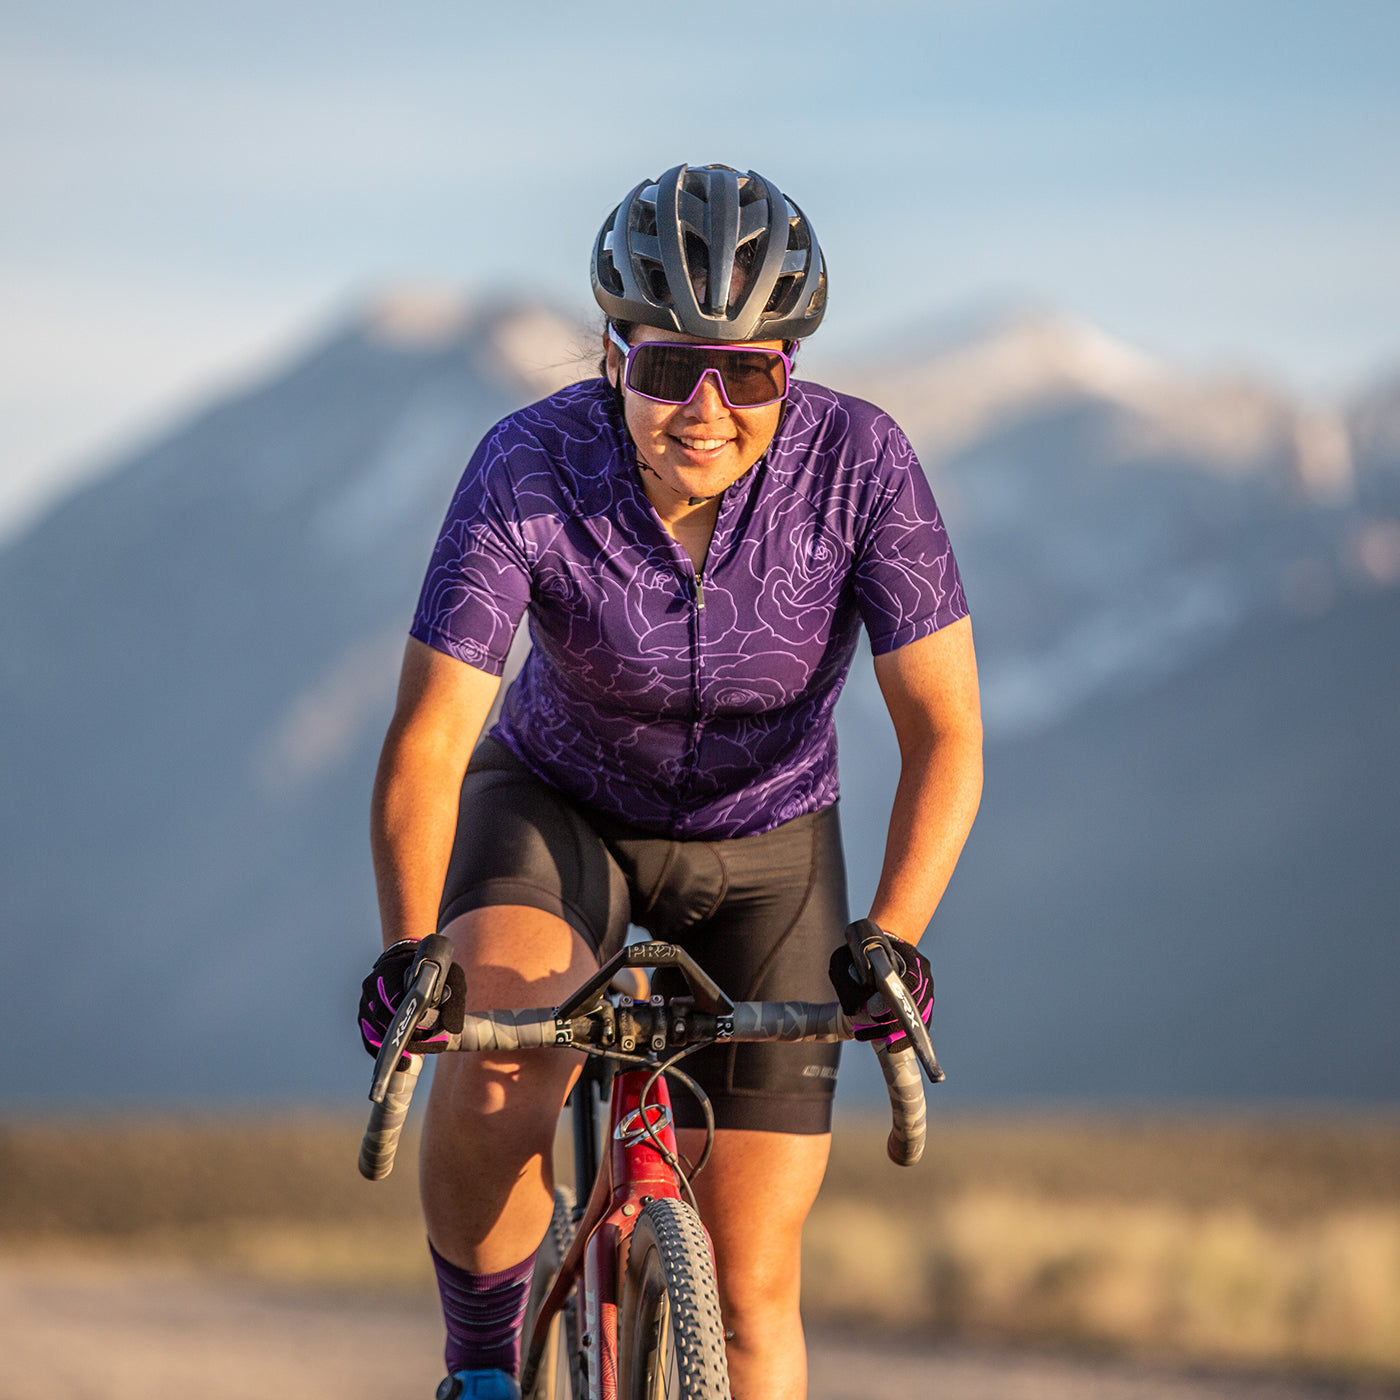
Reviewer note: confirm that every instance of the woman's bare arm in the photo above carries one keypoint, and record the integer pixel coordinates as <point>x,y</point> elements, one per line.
<point>442,705</point>
<point>930,689</point>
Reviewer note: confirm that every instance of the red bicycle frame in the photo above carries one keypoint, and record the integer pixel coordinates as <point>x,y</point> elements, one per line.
<point>639,1173</point>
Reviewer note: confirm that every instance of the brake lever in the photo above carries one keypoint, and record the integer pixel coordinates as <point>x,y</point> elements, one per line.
<point>875,959</point>
<point>427,978</point>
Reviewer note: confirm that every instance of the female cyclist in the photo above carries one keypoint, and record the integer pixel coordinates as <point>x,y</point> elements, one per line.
<point>697,538</point>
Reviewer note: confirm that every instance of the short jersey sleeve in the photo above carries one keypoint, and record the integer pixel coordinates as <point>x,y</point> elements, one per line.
<point>478,581</point>
<point>906,578</point>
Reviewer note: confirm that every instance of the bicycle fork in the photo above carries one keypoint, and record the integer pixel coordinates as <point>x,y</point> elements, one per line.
<point>639,1173</point>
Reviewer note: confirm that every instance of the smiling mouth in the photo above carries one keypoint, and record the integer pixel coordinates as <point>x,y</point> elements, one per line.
<point>699,444</point>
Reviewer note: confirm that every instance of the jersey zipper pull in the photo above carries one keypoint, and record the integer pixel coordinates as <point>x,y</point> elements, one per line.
<point>699,592</point>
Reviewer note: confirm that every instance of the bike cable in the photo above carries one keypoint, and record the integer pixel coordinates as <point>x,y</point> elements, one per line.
<point>683,1167</point>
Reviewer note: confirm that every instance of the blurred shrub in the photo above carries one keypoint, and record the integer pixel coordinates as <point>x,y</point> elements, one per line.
<point>1273,1244</point>
<point>1226,1241</point>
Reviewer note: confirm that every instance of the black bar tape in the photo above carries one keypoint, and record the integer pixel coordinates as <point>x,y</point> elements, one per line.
<point>905,1144</point>
<point>512,1030</point>
<point>381,1139</point>
<point>790,1020</point>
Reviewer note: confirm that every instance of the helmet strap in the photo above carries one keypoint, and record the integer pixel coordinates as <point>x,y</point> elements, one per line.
<point>644,465</point>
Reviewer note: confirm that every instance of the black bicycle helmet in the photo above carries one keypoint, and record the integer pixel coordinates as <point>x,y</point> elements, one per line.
<point>710,252</point>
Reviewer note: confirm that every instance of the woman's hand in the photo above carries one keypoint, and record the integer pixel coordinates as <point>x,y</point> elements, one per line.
<point>854,993</point>
<point>383,990</point>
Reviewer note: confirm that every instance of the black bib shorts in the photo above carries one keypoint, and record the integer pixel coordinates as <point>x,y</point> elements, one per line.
<point>762,914</point>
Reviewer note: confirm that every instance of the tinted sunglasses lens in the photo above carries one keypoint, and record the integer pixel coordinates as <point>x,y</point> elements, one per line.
<point>752,376</point>
<point>671,372</point>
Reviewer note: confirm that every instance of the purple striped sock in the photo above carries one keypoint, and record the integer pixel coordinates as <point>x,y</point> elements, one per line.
<point>483,1313</point>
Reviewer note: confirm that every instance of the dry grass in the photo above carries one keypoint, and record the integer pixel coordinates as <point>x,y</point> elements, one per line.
<point>1270,1244</point>
<point>279,1200</point>
<point>1274,1244</point>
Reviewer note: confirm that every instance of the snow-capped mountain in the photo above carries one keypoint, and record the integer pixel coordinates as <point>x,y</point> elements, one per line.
<point>1116,518</point>
<point>198,652</point>
<point>197,659</point>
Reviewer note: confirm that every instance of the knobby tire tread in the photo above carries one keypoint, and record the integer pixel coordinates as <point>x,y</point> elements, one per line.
<point>669,1249</point>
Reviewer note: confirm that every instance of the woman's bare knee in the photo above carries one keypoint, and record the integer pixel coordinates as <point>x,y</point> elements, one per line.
<point>486,1160</point>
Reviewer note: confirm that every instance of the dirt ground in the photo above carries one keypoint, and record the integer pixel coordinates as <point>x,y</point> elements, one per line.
<point>90,1330</point>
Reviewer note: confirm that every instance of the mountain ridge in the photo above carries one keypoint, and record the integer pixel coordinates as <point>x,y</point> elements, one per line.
<point>197,658</point>
<point>1051,352</point>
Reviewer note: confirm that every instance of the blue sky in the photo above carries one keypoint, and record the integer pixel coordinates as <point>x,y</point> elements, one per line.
<point>191,188</point>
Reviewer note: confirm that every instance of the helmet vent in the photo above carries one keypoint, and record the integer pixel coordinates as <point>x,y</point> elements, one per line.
<point>747,256</point>
<point>608,275</point>
<point>697,266</point>
<point>784,293</point>
<point>657,288</point>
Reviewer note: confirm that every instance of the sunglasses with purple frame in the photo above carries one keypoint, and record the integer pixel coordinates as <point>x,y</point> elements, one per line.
<point>670,371</point>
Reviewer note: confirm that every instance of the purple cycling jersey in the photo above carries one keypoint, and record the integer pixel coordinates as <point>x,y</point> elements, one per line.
<point>685,706</point>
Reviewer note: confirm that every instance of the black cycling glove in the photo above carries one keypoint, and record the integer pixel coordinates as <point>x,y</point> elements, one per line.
<point>383,990</point>
<point>853,994</point>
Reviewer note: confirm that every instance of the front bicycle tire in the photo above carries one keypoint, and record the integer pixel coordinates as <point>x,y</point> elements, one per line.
<point>670,1334</point>
<point>559,1376</point>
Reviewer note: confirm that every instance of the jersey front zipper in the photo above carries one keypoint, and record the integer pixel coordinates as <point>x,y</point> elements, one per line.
<point>686,787</point>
